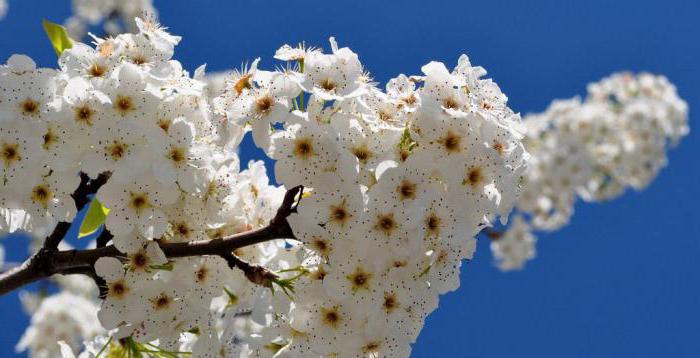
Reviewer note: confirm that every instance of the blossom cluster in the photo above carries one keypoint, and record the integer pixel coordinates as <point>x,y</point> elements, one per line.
<point>125,110</point>
<point>115,16</point>
<point>64,317</point>
<point>617,138</point>
<point>401,181</point>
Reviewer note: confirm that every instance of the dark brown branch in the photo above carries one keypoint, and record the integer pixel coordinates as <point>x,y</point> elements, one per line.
<point>256,274</point>
<point>47,262</point>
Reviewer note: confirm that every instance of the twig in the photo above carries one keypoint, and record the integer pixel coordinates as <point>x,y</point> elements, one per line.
<point>256,274</point>
<point>50,262</point>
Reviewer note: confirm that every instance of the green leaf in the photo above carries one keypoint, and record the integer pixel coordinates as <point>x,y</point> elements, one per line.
<point>232,298</point>
<point>94,218</point>
<point>168,266</point>
<point>58,36</point>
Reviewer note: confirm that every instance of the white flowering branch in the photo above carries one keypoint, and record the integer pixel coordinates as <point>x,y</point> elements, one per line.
<point>49,261</point>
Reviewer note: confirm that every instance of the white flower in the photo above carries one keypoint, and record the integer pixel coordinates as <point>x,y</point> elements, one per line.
<point>118,147</point>
<point>335,76</point>
<point>46,196</point>
<point>514,247</point>
<point>302,153</point>
<point>137,205</point>
<point>122,303</point>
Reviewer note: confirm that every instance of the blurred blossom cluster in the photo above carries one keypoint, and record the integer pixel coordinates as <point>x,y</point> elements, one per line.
<point>595,149</point>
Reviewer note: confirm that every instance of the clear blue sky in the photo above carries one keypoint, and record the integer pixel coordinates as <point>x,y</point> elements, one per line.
<point>621,281</point>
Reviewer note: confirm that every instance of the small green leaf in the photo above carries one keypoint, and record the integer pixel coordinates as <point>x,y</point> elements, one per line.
<point>58,36</point>
<point>94,218</point>
<point>232,298</point>
<point>168,266</point>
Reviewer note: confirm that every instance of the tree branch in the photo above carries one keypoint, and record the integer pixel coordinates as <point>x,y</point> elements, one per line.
<point>47,262</point>
<point>256,274</point>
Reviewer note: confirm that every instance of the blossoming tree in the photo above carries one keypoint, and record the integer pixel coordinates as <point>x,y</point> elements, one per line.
<point>382,194</point>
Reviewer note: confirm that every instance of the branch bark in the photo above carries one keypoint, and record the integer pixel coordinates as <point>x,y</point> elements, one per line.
<point>48,261</point>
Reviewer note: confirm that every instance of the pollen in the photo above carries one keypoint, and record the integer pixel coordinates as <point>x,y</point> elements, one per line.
<point>390,302</point>
<point>42,194</point>
<point>202,274</point>
<point>96,70</point>
<point>362,153</point>
<point>263,105</point>
<point>84,114</point>
<point>242,83</point>
<point>385,116</point>
<point>50,138</point>
<point>177,155</point>
<point>139,60</point>
<point>339,214</point>
<point>105,49</point>
<point>139,261</point>
<point>328,85</point>
<point>386,223</point>
<point>164,124</point>
<point>303,148</point>
<point>182,229</point>
<point>450,103</point>
<point>117,150</point>
<point>451,142</point>
<point>29,107</point>
<point>320,245</point>
<point>161,302</point>
<point>359,279</point>
<point>319,274</point>
<point>138,202</point>
<point>331,316</point>
<point>406,190</point>
<point>10,154</point>
<point>441,257</point>
<point>409,100</point>
<point>432,224</point>
<point>124,105</point>
<point>371,348</point>
<point>474,177</point>
<point>498,146</point>
<point>118,289</point>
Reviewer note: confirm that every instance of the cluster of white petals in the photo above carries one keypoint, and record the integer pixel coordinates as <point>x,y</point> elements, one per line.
<point>595,149</point>
<point>400,182</point>
<point>124,109</point>
<point>115,16</point>
<point>66,317</point>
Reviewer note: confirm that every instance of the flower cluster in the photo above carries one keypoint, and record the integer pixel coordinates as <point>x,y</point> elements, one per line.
<point>617,138</point>
<point>66,317</point>
<point>124,110</point>
<point>401,180</point>
<point>115,16</point>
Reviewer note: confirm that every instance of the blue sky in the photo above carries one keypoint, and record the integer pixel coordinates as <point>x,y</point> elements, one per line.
<point>620,281</point>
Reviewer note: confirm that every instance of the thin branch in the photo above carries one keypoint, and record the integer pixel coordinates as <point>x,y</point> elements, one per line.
<point>48,262</point>
<point>256,274</point>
